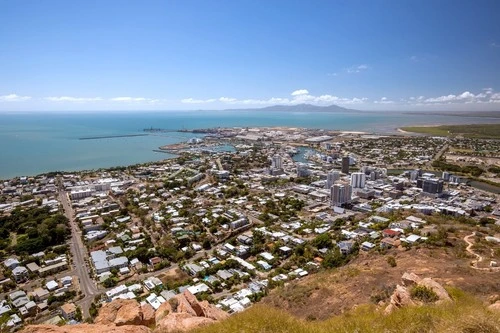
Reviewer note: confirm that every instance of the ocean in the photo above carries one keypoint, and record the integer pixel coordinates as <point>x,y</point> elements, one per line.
<point>38,142</point>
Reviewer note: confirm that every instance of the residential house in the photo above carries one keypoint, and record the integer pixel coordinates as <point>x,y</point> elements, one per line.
<point>20,274</point>
<point>345,247</point>
<point>68,311</point>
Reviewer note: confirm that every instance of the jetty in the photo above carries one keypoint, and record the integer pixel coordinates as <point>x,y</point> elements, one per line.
<point>110,136</point>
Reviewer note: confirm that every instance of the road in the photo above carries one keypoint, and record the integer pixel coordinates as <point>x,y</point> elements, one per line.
<point>80,258</point>
<point>441,152</point>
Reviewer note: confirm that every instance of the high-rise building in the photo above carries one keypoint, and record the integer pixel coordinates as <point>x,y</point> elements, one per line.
<point>277,162</point>
<point>446,176</point>
<point>345,164</point>
<point>302,170</point>
<point>434,186</point>
<point>414,175</point>
<point>331,178</point>
<point>340,194</point>
<point>358,180</point>
<point>455,179</point>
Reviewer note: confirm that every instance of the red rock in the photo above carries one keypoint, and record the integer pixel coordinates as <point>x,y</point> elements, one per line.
<point>85,328</point>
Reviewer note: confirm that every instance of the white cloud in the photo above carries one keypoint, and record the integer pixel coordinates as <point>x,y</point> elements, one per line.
<point>14,98</point>
<point>197,101</point>
<point>331,74</point>
<point>300,92</point>
<point>129,99</point>
<point>494,44</point>
<point>300,96</point>
<point>384,100</point>
<point>227,99</point>
<point>72,99</point>
<point>486,96</point>
<point>465,96</point>
<point>357,69</point>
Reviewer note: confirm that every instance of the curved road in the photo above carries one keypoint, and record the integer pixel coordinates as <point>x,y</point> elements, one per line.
<point>479,257</point>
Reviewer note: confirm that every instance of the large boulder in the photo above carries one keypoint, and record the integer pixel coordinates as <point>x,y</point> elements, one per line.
<point>148,315</point>
<point>410,279</point>
<point>164,310</point>
<point>212,312</point>
<point>129,314</point>
<point>195,305</point>
<point>400,297</point>
<point>184,312</point>
<point>441,293</point>
<point>181,322</point>
<point>183,306</point>
<point>495,307</point>
<point>85,328</point>
<point>123,312</point>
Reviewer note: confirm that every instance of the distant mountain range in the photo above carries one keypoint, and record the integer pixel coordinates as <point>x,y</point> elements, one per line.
<point>304,108</point>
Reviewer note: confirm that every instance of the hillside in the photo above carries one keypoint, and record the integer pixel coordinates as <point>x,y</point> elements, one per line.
<point>466,314</point>
<point>370,279</point>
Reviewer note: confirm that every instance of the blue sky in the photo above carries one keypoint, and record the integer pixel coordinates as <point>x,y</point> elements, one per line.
<point>174,55</point>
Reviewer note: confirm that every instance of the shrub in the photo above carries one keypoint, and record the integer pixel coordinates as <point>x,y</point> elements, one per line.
<point>391,261</point>
<point>424,294</point>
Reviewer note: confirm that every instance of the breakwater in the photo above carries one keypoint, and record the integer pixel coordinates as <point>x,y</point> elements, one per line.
<point>110,136</point>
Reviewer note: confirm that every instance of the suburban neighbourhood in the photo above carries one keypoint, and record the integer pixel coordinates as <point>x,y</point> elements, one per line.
<point>238,213</point>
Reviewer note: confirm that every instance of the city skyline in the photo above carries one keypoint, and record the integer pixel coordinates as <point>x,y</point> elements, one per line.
<point>230,55</point>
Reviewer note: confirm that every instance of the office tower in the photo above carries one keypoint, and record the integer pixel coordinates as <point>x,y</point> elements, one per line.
<point>345,164</point>
<point>277,162</point>
<point>434,186</point>
<point>340,194</point>
<point>358,180</point>
<point>302,170</point>
<point>446,176</point>
<point>331,178</point>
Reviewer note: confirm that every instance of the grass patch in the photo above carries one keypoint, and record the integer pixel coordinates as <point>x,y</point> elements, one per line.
<point>486,131</point>
<point>466,314</point>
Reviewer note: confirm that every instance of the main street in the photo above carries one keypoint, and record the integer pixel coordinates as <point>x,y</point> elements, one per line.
<point>80,258</point>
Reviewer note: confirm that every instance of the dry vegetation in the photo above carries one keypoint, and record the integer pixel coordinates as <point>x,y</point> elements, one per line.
<point>466,314</point>
<point>371,279</point>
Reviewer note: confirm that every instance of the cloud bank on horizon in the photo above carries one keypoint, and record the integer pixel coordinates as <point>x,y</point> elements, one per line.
<point>301,96</point>
<point>184,55</point>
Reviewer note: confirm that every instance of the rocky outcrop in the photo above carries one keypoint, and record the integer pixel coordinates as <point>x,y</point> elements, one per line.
<point>182,322</point>
<point>121,312</point>
<point>495,307</point>
<point>441,293</point>
<point>410,279</point>
<point>212,312</point>
<point>401,296</point>
<point>148,315</point>
<point>184,312</point>
<point>86,328</point>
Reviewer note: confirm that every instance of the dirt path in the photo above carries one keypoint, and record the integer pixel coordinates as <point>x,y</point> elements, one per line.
<point>479,257</point>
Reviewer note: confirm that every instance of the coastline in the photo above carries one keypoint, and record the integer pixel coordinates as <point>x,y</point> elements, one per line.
<point>39,143</point>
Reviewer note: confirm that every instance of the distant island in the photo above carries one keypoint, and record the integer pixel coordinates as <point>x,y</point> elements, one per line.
<point>302,108</point>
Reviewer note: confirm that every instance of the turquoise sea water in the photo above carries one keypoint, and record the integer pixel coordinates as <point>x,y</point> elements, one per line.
<point>33,143</point>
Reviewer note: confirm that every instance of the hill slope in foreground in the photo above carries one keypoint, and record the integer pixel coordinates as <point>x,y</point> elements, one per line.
<point>354,298</point>
<point>466,314</point>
